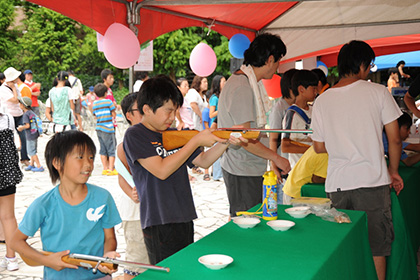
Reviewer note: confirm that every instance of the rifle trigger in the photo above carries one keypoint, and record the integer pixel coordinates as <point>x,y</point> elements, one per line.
<point>95,269</point>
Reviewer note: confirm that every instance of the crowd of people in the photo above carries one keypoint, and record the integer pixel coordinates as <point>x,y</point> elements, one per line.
<point>157,211</point>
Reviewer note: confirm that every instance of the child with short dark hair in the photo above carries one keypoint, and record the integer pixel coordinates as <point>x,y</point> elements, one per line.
<point>30,127</point>
<point>104,111</point>
<point>166,205</point>
<point>298,116</point>
<point>393,80</point>
<point>74,216</point>
<point>108,80</point>
<point>404,123</point>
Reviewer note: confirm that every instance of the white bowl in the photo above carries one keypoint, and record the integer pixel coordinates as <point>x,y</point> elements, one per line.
<point>215,261</point>
<point>298,212</point>
<point>246,222</point>
<point>281,225</point>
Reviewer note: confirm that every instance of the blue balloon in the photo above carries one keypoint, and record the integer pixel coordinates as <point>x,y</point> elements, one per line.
<point>321,65</point>
<point>238,44</point>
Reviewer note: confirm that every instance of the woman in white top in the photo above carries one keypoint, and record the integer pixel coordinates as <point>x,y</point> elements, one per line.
<point>196,97</point>
<point>9,95</point>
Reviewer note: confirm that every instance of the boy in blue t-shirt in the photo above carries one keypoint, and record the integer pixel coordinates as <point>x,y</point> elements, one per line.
<point>30,127</point>
<point>73,217</point>
<point>166,205</point>
<point>104,111</point>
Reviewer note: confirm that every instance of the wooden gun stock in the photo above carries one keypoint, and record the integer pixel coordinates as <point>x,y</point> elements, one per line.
<point>67,259</point>
<point>173,139</point>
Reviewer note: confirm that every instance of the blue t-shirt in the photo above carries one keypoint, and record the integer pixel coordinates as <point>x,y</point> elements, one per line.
<point>386,147</point>
<point>205,116</point>
<point>27,119</point>
<point>214,101</point>
<point>102,109</point>
<point>78,228</point>
<point>161,201</point>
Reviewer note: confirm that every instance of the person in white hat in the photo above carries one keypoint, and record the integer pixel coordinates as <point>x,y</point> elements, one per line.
<point>9,98</point>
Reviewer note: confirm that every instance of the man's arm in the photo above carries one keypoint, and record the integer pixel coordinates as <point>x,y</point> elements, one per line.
<point>319,147</point>
<point>273,137</point>
<point>394,153</point>
<point>411,104</point>
<point>289,146</point>
<point>257,148</point>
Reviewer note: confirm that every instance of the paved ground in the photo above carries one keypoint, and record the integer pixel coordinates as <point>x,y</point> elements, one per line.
<point>209,197</point>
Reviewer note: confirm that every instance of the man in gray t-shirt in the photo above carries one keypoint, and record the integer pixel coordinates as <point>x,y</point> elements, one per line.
<point>243,168</point>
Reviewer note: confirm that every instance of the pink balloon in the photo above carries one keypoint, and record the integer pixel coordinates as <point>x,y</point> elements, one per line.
<point>203,60</point>
<point>121,46</point>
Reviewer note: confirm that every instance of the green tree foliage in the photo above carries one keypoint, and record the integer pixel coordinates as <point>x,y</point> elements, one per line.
<point>51,42</point>
<point>7,36</point>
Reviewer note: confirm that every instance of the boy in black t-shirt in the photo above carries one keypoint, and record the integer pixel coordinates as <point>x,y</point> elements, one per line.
<point>32,134</point>
<point>161,177</point>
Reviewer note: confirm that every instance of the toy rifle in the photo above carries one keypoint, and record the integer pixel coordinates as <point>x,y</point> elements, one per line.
<point>173,139</point>
<point>93,262</point>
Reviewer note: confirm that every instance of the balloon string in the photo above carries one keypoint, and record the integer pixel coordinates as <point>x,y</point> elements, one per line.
<point>210,26</point>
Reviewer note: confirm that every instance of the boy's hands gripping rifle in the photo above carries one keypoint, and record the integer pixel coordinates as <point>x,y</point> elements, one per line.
<point>93,262</point>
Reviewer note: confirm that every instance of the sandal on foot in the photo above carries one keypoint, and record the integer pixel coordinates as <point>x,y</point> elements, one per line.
<point>196,170</point>
<point>206,177</point>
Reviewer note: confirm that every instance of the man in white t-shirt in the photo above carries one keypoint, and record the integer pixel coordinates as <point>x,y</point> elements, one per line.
<point>347,121</point>
<point>77,90</point>
<point>142,76</point>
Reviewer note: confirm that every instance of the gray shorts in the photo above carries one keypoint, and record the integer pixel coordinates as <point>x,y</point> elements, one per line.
<point>77,106</point>
<point>244,192</point>
<point>107,143</point>
<point>376,202</point>
<point>31,147</point>
<point>135,248</point>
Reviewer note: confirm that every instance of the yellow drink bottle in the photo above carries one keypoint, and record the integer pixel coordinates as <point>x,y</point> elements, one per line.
<point>269,196</point>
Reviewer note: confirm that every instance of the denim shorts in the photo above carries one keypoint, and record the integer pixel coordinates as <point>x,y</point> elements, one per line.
<point>107,143</point>
<point>31,147</point>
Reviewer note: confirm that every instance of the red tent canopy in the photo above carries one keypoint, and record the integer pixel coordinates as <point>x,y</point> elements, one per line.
<point>308,28</point>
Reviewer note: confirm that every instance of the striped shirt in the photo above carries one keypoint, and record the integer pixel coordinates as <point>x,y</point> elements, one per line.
<point>102,109</point>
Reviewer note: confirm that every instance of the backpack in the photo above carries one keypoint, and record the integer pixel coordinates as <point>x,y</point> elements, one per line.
<point>36,124</point>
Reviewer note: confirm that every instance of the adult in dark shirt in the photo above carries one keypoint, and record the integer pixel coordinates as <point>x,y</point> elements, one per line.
<point>411,95</point>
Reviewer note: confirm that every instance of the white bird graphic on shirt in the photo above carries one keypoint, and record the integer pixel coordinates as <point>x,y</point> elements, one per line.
<point>93,214</point>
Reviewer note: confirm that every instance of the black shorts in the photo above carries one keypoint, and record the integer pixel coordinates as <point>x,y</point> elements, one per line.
<point>163,241</point>
<point>244,192</point>
<point>8,191</point>
<point>376,202</point>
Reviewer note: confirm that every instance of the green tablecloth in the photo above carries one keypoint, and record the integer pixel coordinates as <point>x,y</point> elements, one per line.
<point>312,249</point>
<point>402,264</point>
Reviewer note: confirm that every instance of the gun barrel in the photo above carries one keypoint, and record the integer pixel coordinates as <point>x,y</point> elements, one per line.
<point>118,262</point>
